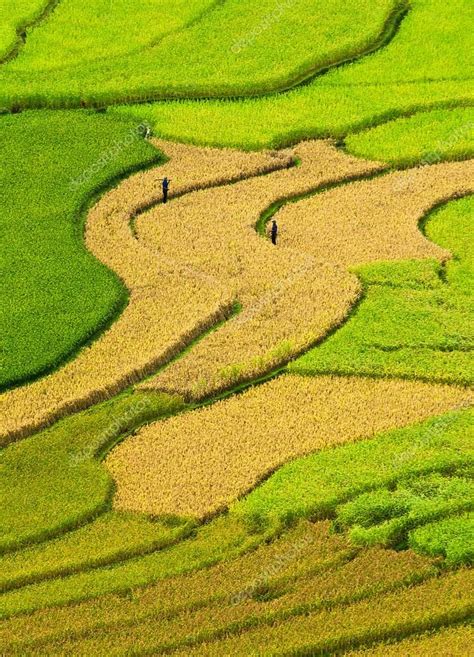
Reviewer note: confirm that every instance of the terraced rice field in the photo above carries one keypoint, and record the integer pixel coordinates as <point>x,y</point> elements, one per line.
<point>212,444</point>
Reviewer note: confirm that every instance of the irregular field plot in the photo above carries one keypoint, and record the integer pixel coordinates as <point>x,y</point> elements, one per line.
<point>427,137</point>
<point>369,221</point>
<point>232,47</point>
<point>173,299</point>
<point>419,325</point>
<point>313,486</point>
<point>55,295</point>
<point>199,462</point>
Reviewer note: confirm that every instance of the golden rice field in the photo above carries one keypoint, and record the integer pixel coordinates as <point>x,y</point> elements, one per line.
<point>197,463</point>
<point>136,345</point>
<point>215,440</point>
<point>363,228</point>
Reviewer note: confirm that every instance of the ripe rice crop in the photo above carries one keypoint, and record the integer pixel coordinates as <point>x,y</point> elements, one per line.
<point>197,463</point>
<point>376,219</point>
<point>365,576</point>
<point>312,486</point>
<point>423,607</point>
<point>457,641</point>
<point>286,307</point>
<point>289,300</point>
<point>412,323</point>
<point>303,550</point>
<point>163,314</point>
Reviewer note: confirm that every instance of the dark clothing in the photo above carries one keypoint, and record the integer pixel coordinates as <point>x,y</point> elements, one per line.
<point>165,186</point>
<point>274,233</point>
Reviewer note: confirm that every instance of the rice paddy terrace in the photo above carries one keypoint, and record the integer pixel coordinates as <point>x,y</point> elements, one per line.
<point>212,444</point>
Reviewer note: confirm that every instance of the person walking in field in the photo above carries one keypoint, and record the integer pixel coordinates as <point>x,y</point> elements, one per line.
<point>274,232</point>
<point>165,186</point>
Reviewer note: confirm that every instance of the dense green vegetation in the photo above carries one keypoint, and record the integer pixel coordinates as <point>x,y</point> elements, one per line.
<point>52,482</point>
<point>237,48</point>
<point>402,328</point>
<point>427,137</point>
<point>386,516</point>
<point>55,295</point>
<point>408,102</point>
<point>16,15</point>
<point>452,538</point>
<point>362,94</point>
<point>79,33</point>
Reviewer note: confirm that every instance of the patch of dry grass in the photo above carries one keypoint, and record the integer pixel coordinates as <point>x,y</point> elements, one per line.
<point>197,463</point>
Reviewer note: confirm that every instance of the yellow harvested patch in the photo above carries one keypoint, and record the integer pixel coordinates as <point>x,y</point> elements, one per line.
<point>375,219</point>
<point>197,463</point>
<point>174,298</point>
<point>291,300</point>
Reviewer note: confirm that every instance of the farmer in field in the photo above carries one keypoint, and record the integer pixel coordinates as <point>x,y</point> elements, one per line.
<point>274,232</point>
<point>165,186</point>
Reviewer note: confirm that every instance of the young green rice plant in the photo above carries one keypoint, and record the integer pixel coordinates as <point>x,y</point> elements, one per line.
<point>55,295</point>
<point>426,137</point>
<point>385,517</point>
<point>414,325</point>
<point>308,487</point>
<point>452,538</point>
<point>16,16</point>
<point>400,79</point>
<point>52,483</point>
<point>180,49</point>
<point>111,538</point>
